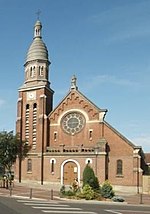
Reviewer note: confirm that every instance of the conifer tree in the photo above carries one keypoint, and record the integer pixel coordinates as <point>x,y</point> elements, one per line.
<point>90,178</point>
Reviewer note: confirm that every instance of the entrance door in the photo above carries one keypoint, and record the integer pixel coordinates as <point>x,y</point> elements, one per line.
<point>70,173</point>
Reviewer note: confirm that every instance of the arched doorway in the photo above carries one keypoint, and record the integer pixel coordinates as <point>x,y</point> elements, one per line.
<point>70,172</point>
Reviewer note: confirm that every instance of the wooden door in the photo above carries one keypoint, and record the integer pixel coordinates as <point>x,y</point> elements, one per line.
<point>70,173</point>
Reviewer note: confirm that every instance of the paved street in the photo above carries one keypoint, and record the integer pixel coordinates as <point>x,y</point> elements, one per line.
<point>45,192</point>
<point>24,206</point>
<point>9,205</point>
<point>24,201</point>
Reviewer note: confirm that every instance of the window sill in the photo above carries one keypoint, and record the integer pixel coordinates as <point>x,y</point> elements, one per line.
<point>119,176</point>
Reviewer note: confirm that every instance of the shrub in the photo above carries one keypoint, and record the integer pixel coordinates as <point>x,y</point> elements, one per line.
<point>95,183</point>
<point>90,178</point>
<point>88,174</point>
<point>62,190</point>
<point>87,192</point>
<point>107,190</point>
<point>97,196</point>
<point>69,193</point>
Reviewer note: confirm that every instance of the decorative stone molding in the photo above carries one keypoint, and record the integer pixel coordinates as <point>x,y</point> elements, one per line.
<point>102,116</point>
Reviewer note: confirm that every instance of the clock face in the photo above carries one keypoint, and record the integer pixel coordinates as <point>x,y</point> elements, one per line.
<point>31,95</point>
<point>73,122</point>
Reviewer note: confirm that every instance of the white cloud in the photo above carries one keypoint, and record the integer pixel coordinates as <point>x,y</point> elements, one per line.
<point>2,102</point>
<point>109,79</point>
<point>113,80</point>
<point>125,22</point>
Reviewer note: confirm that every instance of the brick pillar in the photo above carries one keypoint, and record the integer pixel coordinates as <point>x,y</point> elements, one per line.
<point>137,171</point>
<point>100,160</point>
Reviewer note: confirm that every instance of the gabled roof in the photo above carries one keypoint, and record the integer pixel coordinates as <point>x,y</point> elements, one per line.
<point>84,98</point>
<point>121,136</point>
<point>74,89</point>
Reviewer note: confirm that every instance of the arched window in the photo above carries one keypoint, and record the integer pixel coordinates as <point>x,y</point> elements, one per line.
<point>31,72</point>
<point>29,165</point>
<point>90,134</point>
<point>52,166</point>
<point>27,106</point>
<point>52,162</point>
<point>34,105</point>
<point>55,136</point>
<point>119,167</point>
<point>88,161</point>
<point>41,69</point>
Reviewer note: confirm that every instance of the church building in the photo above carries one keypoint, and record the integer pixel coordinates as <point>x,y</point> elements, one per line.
<point>65,138</point>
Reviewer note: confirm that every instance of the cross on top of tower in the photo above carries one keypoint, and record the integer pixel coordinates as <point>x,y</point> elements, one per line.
<point>38,14</point>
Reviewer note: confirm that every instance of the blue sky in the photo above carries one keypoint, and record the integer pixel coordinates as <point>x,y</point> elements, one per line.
<point>105,43</point>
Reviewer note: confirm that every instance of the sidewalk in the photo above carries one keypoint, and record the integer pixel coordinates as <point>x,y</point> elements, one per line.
<point>44,192</point>
<point>28,191</point>
<point>138,199</point>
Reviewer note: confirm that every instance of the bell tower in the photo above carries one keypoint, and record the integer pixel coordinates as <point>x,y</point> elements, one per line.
<point>35,100</point>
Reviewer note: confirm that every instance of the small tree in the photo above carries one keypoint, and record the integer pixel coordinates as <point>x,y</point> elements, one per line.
<point>107,190</point>
<point>90,178</point>
<point>10,148</point>
<point>95,184</point>
<point>88,192</point>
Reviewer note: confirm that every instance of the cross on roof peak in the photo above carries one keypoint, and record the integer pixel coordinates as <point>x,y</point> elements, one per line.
<point>38,14</point>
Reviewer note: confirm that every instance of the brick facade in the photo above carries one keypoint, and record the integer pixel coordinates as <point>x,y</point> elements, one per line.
<point>66,138</point>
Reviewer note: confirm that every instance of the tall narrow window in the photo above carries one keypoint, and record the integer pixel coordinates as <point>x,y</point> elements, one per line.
<point>34,125</point>
<point>27,123</point>
<point>55,136</point>
<point>52,166</point>
<point>119,167</point>
<point>29,165</point>
<point>31,72</point>
<point>41,69</point>
<point>90,134</point>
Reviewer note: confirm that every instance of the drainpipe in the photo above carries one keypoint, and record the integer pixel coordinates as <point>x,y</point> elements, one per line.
<point>20,144</point>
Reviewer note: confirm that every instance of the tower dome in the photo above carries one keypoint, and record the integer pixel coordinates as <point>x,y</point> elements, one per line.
<point>37,49</point>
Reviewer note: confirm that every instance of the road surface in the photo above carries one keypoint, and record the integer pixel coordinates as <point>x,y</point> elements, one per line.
<point>18,205</point>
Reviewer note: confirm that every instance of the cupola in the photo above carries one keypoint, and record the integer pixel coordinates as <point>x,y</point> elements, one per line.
<point>37,49</point>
